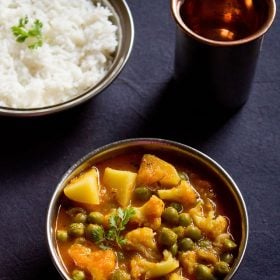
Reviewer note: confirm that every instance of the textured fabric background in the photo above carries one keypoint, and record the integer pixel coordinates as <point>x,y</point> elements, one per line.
<point>142,102</point>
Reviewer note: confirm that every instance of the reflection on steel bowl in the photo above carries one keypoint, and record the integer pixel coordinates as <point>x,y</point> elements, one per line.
<point>147,209</point>
<point>55,57</point>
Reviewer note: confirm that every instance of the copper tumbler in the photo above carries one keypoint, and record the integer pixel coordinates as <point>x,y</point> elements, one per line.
<point>217,47</point>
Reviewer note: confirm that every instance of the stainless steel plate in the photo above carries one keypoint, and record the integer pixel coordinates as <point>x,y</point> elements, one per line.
<point>123,19</point>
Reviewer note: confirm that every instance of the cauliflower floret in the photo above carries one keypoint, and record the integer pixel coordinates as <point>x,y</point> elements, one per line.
<point>99,263</point>
<point>206,256</point>
<point>188,261</point>
<point>142,268</point>
<point>219,240</point>
<point>149,214</point>
<point>225,241</point>
<point>207,222</point>
<point>183,193</point>
<point>142,240</point>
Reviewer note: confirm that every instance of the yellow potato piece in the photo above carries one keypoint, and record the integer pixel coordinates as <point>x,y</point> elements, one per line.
<point>120,182</point>
<point>85,188</point>
<point>155,170</point>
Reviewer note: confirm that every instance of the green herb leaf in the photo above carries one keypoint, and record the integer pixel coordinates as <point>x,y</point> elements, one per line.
<point>128,213</point>
<point>23,21</point>
<point>117,223</point>
<point>113,236</point>
<point>113,221</point>
<point>122,241</point>
<point>97,234</point>
<point>33,34</point>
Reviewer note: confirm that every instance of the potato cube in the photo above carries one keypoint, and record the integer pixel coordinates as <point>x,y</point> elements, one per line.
<point>85,188</point>
<point>155,170</point>
<point>121,183</point>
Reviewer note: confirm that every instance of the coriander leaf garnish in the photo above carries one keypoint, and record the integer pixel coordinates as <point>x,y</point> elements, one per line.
<point>33,34</point>
<point>97,234</point>
<point>117,224</point>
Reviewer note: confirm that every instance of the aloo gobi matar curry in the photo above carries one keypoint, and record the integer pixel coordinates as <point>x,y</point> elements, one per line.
<point>141,216</point>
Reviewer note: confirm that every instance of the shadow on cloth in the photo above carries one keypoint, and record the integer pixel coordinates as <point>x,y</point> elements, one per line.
<point>32,138</point>
<point>187,116</point>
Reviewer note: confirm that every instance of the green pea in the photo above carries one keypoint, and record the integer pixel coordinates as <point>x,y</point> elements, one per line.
<point>75,210</point>
<point>170,215</point>
<point>221,268</point>
<point>62,235</point>
<point>95,218</point>
<point>76,229</point>
<point>167,237</point>
<point>229,244</point>
<point>94,233</point>
<point>142,193</point>
<point>227,257</point>
<point>120,274</point>
<point>193,232</point>
<point>186,244</point>
<point>174,249</point>
<point>89,229</point>
<point>180,231</point>
<point>78,275</point>
<point>178,206</point>
<point>80,218</point>
<point>203,272</point>
<point>185,219</point>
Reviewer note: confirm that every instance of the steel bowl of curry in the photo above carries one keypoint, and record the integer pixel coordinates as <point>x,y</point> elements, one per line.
<point>147,209</point>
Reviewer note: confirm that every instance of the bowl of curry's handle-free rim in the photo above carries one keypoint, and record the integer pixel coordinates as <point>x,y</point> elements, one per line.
<point>147,209</point>
<point>54,59</point>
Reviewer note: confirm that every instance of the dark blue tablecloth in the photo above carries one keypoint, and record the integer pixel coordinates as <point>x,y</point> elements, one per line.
<point>34,153</point>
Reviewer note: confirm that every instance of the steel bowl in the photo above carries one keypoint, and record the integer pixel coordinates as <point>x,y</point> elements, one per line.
<point>121,16</point>
<point>166,147</point>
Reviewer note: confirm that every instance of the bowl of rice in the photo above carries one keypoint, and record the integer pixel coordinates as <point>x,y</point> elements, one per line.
<point>57,54</point>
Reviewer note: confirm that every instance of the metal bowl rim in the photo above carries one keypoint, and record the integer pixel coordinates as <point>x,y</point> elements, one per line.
<point>115,69</point>
<point>135,142</point>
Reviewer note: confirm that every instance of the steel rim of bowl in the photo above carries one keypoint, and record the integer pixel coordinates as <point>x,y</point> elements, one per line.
<point>123,17</point>
<point>158,143</point>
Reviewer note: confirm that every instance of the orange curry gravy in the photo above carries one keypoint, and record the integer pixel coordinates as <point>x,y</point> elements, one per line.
<point>207,185</point>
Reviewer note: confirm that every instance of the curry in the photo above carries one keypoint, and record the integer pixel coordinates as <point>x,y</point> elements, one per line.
<point>145,216</point>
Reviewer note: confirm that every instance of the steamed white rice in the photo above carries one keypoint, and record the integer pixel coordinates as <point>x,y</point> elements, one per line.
<point>79,41</point>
